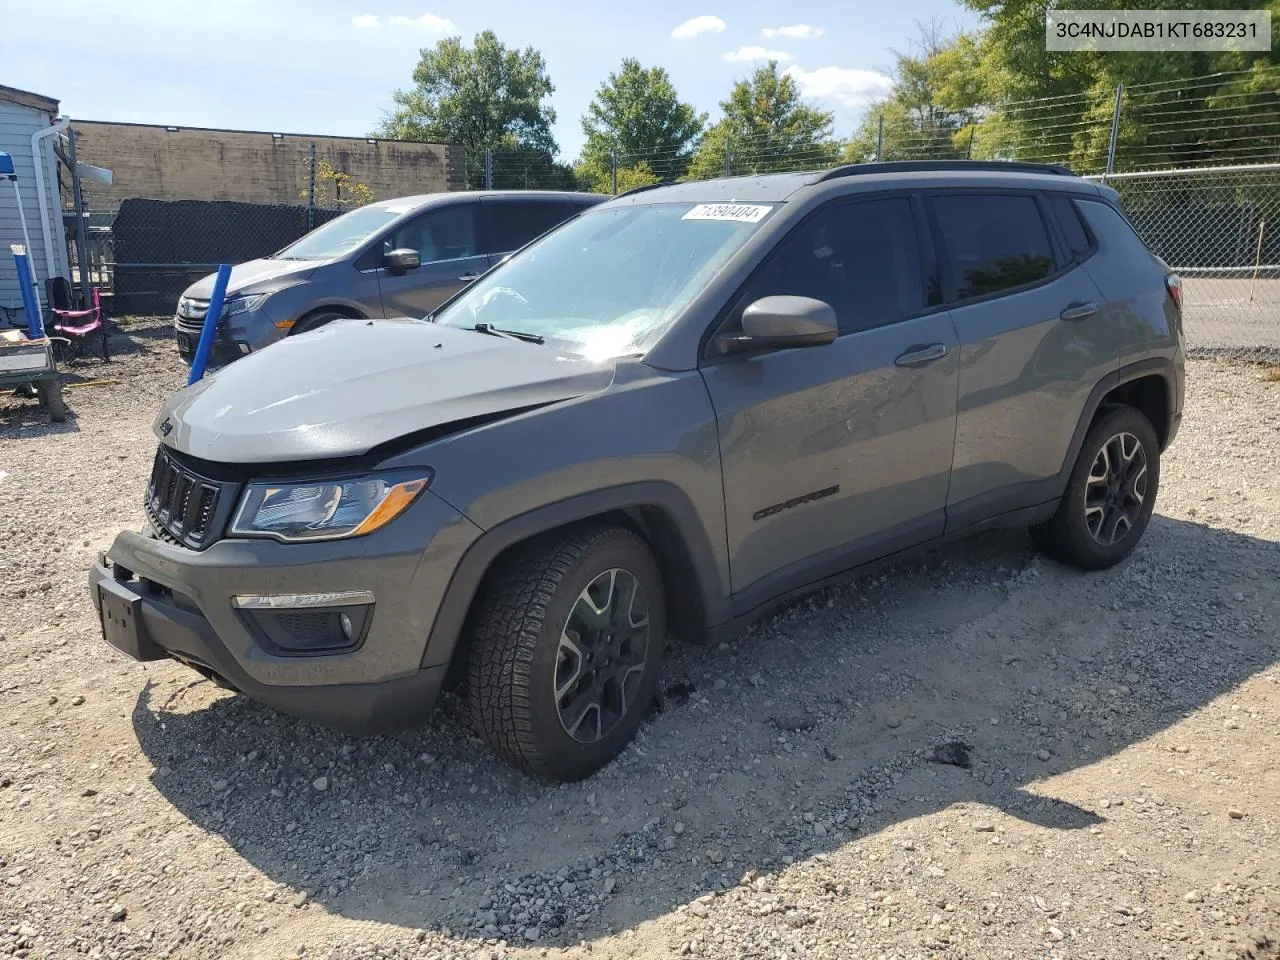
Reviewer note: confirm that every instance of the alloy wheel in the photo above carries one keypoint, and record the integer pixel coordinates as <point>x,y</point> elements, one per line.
<point>601,657</point>
<point>1115,489</point>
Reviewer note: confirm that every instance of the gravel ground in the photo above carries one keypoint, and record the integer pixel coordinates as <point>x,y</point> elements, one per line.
<point>796,795</point>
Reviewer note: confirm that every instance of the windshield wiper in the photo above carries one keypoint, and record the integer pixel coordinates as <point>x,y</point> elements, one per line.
<point>489,328</point>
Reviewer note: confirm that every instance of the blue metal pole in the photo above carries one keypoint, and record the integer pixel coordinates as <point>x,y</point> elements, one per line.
<point>35,328</point>
<point>211,320</point>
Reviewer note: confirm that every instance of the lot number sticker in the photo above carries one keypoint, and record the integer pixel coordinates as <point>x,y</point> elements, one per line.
<point>735,212</point>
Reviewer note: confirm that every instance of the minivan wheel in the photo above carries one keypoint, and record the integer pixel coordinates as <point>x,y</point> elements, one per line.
<point>1110,495</point>
<point>566,642</point>
<point>313,321</point>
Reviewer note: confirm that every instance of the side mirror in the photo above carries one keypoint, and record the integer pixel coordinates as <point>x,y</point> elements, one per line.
<point>779,323</point>
<point>402,260</point>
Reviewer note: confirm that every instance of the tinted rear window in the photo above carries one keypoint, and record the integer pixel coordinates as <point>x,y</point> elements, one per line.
<point>513,223</point>
<point>1068,217</point>
<point>991,242</point>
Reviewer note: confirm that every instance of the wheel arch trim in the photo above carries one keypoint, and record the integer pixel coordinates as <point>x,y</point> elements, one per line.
<point>468,574</point>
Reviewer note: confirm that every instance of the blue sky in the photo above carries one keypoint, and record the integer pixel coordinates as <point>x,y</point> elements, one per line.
<point>329,66</point>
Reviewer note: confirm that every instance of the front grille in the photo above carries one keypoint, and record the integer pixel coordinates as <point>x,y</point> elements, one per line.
<point>191,313</point>
<point>180,503</point>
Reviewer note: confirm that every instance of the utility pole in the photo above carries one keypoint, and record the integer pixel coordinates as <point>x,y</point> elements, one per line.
<point>82,241</point>
<point>880,141</point>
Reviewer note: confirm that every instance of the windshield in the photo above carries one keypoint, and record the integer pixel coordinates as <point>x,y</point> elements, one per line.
<point>340,236</point>
<point>610,282</point>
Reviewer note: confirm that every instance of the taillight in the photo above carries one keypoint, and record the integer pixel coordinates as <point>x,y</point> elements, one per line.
<point>1174,283</point>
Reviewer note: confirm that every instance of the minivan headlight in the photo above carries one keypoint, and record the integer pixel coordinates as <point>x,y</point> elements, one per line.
<point>233,305</point>
<point>326,509</point>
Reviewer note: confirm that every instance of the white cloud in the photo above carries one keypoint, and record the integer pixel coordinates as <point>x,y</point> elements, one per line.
<point>367,20</point>
<point>428,21</point>
<point>798,31</point>
<point>847,86</point>
<point>697,25</point>
<point>756,53</point>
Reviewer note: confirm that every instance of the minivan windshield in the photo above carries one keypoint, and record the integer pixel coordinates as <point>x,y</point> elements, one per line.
<point>608,283</point>
<point>339,236</point>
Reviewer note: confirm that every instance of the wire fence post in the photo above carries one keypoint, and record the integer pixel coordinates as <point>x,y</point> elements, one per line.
<point>968,152</point>
<point>311,186</point>
<point>1115,133</point>
<point>488,169</point>
<point>613,172</point>
<point>880,140</point>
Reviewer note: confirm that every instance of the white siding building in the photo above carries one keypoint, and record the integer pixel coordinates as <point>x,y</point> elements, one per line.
<point>22,116</point>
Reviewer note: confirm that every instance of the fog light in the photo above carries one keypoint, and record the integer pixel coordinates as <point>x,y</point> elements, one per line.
<point>348,630</point>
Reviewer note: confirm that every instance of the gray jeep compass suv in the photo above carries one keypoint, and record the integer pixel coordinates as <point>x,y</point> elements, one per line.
<point>389,259</point>
<point>666,416</point>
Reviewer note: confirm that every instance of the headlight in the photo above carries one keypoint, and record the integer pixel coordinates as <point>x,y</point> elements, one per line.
<point>235,305</point>
<point>327,509</point>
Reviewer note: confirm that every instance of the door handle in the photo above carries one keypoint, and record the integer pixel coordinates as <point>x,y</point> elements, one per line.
<point>918,355</point>
<point>468,277</point>
<point>1078,311</point>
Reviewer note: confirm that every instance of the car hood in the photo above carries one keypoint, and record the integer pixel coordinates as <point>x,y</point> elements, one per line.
<point>256,276</point>
<point>354,384</point>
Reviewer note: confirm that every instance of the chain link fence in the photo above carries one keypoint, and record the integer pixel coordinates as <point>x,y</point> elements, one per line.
<point>1219,228</point>
<point>145,241</point>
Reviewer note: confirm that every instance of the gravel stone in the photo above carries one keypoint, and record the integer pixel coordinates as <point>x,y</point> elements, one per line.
<point>803,825</point>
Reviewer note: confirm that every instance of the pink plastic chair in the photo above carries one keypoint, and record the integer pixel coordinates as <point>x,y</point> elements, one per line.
<point>77,334</point>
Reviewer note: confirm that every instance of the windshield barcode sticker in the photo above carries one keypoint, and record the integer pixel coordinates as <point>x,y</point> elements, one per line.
<point>737,212</point>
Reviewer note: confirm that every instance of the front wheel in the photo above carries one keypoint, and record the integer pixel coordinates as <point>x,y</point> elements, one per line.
<point>566,642</point>
<point>314,321</point>
<point>1110,494</point>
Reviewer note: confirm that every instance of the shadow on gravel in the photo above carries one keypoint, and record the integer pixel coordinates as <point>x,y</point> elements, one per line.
<point>815,727</point>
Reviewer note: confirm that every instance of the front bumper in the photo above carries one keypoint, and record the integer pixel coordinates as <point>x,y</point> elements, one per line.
<point>158,601</point>
<point>251,332</point>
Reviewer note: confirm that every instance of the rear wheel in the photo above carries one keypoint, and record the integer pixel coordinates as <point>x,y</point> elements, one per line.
<point>50,393</point>
<point>1110,495</point>
<point>566,643</point>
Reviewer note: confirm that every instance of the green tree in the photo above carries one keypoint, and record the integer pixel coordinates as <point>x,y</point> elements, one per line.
<point>596,174</point>
<point>938,89</point>
<point>766,128</point>
<point>486,97</point>
<point>1165,121</point>
<point>637,117</point>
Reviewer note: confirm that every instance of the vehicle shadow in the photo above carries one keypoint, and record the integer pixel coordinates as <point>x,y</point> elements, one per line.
<point>815,727</point>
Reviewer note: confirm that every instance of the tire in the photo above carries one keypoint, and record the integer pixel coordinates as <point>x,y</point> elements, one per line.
<point>50,392</point>
<point>314,321</point>
<point>530,638</point>
<point>1100,521</point>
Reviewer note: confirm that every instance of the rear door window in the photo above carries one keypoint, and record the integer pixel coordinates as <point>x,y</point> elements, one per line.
<point>513,223</point>
<point>988,243</point>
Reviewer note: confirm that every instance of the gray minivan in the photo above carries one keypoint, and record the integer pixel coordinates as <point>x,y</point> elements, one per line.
<point>394,258</point>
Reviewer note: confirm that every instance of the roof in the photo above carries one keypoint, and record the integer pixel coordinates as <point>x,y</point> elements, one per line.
<point>27,99</point>
<point>426,199</point>
<point>777,187</point>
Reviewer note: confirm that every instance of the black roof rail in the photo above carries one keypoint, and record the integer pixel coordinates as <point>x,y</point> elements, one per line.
<point>918,166</point>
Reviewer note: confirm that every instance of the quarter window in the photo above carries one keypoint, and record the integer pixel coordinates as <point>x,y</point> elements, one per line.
<point>990,243</point>
<point>1068,217</point>
<point>862,258</point>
